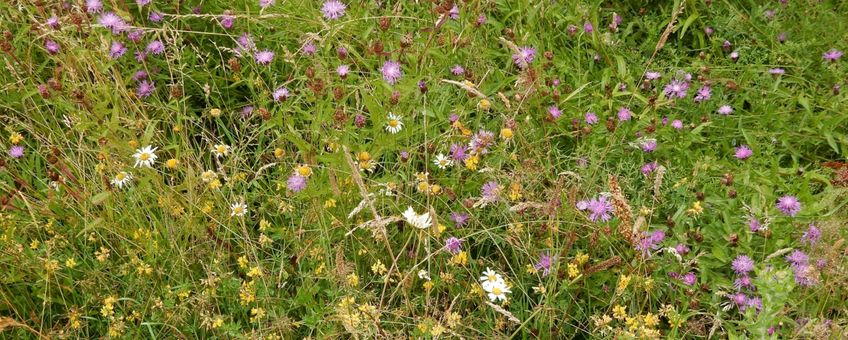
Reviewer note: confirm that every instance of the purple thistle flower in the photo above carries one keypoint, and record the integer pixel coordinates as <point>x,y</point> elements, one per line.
<point>743,152</point>
<point>599,208</point>
<point>832,55</point>
<point>726,46</point>
<point>651,75</point>
<point>145,89</point>
<point>677,124</point>
<point>391,72</point>
<point>588,28</point>
<point>227,20</point>
<point>681,249</point>
<point>113,22</point>
<point>689,279</point>
<point>264,57</point>
<point>776,71</point>
<point>742,264</point>
<point>16,151</point>
<point>480,142</point>
<point>459,152</point>
<point>142,2</point>
<point>246,111</point>
<point>544,264</point>
<point>422,86</point>
<point>725,110</point>
<point>789,205</point>
<point>490,191</point>
<point>140,56</point>
<point>117,50</point>
<point>459,218</point>
<point>571,29</point>
<point>781,37</point>
<point>53,22</point>
<point>676,88</point>
<point>481,20</point>
<point>457,70</point>
<point>798,258</point>
<point>704,93</point>
<point>740,300</point>
<point>296,183</point>
<point>709,31</point>
<point>754,302</point>
<point>280,94</point>
<point>754,225</point>
<point>524,57</point>
<point>51,46</point>
<point>812,235</point>
<point>554,112</point>
<point>359,120</point>
<point>155,16</point>
<point>805,275</point>
<point>453,245</point>
<point>333,9</point>
<point>648,168</point>
<point>309,48</point>
<point>454,12</point>
<point>266,3</point>
<point>245,42</point>
<point>139,75</point>
<point>135,35</point>
<point>734,55</point>
<point>649,145</point>
<point>743,282</point>
<point>155,47</point>
<point>650,241</point>
<point>591,118</point>
<point>624,114</point>
<point>93,6</point>
<point>342,71</point>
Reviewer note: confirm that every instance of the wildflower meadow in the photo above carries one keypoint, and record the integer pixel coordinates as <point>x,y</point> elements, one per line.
<point>423,169</point>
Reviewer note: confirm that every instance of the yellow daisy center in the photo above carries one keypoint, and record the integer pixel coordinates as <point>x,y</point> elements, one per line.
<point>492,278</point>
<point>222,149</point>
<point>144,156</point>
<point>497,291</point>
<point>120,176</point>
<point>393,122</point>
<point>238,210</point>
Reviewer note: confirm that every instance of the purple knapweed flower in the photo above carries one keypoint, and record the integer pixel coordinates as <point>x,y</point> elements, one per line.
<point>743,282</point>
<point>681,249</point>
<point>457,70</point>
<point>648,168</point>
<point>135,35</point>
<point>789,205</point>
<point>113,22</point>
<point>798,258</point>
<point>754,225</point>
<point>624,114</point>
<point>649,145</point>
<point>650,241</point>
<point>264,57</point>
<point>343,71</point>
<point>296,183</point>
<point>689,279</point>
<point>454,12</point>
<point>554,112</point>
<point>16,151</point>
<point>458,152</point>
<point>266,3</point>
<point>93,6</point>
<point>677,124</point>
<point>544,264</point>
<point>145,89</point>
<point>588,28</point>
<point>709,31</point>
<point>704,93</point>
<point>155,47</point>
<point>725,110</point>
<point>742,264</point>
<point>53,22</point>
<point>591,118</point>
<point>459,218</point>
<point>524,57</point>
<point>391,72</point>
<point>651,75</point>
<point>155,16</point>
<point>676,88</point>
<point>490,191</point>
<point>333,9</point>
<point>571,29</point>
<point>832,55</point>
<point>309,48</point>
<point>776,71</point>
<point>812,235</point>
<point>481,20</point>
<point>227,20</point>
<point>480,142</point>
<point>51,46</point>
<point>117,50</point>
<point>599,208</point>
<point>280,94</point>
<point>743,152</point>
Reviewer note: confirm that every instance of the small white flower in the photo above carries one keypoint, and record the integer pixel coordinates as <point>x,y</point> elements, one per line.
<point>442,161</point>
<point>122,178</point>
<point>394,124</point>
<point>145,156</point>
<point>238,209</point>
<point>489,278</point>
<point>424,275</point>
<point>422,221</point>
<point>220,150</point>
<point>497,291</point>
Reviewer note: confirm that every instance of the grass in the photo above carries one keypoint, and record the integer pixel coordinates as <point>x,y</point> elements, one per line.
<point>168,254</point>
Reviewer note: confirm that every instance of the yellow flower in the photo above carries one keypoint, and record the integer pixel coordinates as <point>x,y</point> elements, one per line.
<point>696,209</point>
<point>379,268</point>
<point>172,163</point>
<point>515,191</point>
<point>353,280</point>
<point>216,112</point>
<point>471,162</point>
<point>330,203</point>
<point>279,153</point>
<point>255,272</point>
<point>428,285</point>
<point>484,104</point>
<point>506,133</point>
<point>218,322</point>
<point>650,320</point>
<point>242,261</point>
<point>70,263</point>
<point>16,138</point>
<point>435,189</point>
<point>460,259</point>
<point>573,271</point>
<point>304,171</point>
<point>623,282</point>
<point>453,319</point>
<point>177,128</point>
<point>581,259</point>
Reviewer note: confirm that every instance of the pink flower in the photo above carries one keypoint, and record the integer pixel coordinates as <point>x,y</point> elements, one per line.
<point>264,57</point>
<point>832,55</point>
<point>789,205</point>
<point>743,152</point>
<point>391,72</point>
<point>333,9</point>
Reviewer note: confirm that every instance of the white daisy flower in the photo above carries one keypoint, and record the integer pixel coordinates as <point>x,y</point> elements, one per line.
<point>145,156</point>
<point>238,209</point>
<point>443,162</point>
<point>422,221</point>
<point>490,277</point>
<point>122,178</point>
<point>497,291</point>
<point>424,275</point>
<point>220,150</point>
<point>394,124</point>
